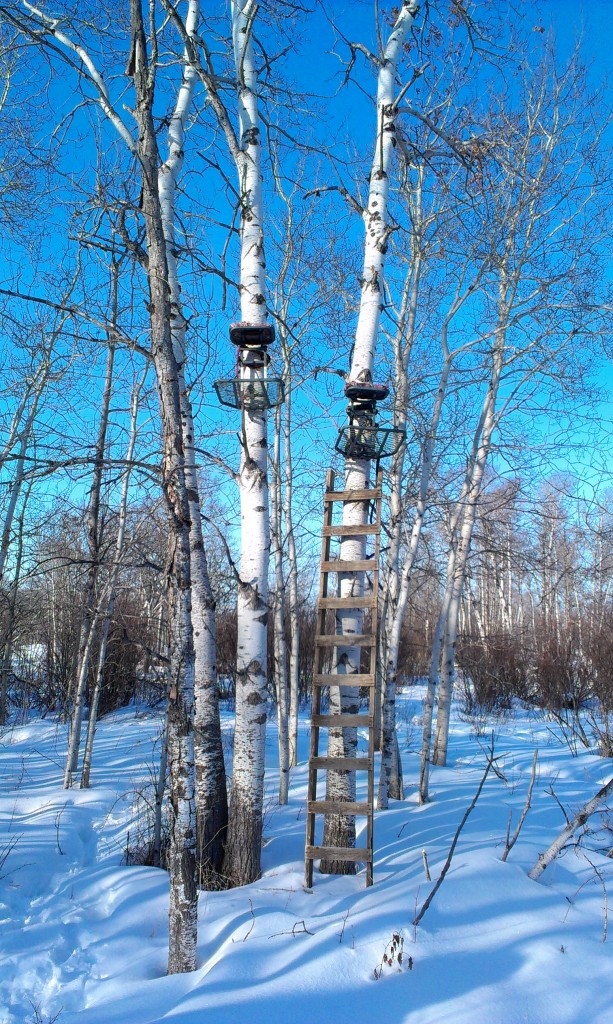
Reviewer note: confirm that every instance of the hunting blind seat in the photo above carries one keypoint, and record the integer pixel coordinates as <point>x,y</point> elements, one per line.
<point>324,677</point>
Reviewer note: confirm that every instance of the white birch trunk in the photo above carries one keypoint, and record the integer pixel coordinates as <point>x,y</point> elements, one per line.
<point>293,602</point>
<point>291,586</point>
<point>211,798</point>
<point>15,491</point>
<point>438,638</point>
<point>404,589</point>
<point>339,830</point>
<point>287,580</point>
<point>513,234</point>
<point>183,912</point>
<point>397,581</point>
<point>428,715</point>
<point>427,463</point>
<point>243,849</point>
<point>470,501</point>
<point>279,638</point>
<point>403,344</point>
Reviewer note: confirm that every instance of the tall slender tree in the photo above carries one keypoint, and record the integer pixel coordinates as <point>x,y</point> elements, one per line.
<point>339,830</point>
<point>143,150</point>
<point>242,863</point>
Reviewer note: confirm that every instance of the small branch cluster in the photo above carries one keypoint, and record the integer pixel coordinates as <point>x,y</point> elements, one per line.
<point>394,957</point>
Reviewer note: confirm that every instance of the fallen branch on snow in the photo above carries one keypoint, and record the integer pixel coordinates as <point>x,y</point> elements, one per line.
<point>544,859</point>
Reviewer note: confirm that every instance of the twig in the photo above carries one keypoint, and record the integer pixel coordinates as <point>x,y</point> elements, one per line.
<point>510,842</point>
<point>296,930</point>
<point>58,818</point>
<point>424,857</point>
<point>226,547</point>
<point>605,906</point>
<point>447,863</point>
<point>552,793</point>
<point>7,850</point>
<point>351,200</point>
<point>571,900</point>
<point>38,1017</point>
<point>252,926</point>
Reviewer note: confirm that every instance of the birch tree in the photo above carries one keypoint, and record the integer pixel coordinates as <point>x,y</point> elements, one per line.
<point>434,295</point>
<point>280,659</point>
<point>301,307</point>
<point>142,147</point>
<point>401,565</point>
<point>243,851</point>
<point>182,855</point>
<point>243,845</point>
<point>9,622</point>
<point>210,767</point>
<point>339,830</point>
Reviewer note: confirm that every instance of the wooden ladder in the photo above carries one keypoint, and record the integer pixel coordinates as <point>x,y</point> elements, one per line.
<point>324,642</point>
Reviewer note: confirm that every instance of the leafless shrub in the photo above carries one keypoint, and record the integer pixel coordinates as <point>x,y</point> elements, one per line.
<point>493,673</point>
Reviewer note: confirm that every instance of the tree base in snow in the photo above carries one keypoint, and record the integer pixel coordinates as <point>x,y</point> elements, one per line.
<point>242,861</point>
<point>338,867</point>
<point>339,830</point>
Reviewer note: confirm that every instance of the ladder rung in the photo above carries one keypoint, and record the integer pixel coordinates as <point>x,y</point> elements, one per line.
<point>362,530</point>
<point>346,640</point>
<point>338,853</point>
<point>338,565</point>
<point>342,764</point>
<point>340,721</point>
<point>355,679</point>
<point>347,602</point>
<point>337,807</point>
<point>364,494</point>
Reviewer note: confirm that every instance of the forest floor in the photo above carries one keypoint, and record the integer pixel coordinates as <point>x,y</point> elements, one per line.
<point>83,938</point>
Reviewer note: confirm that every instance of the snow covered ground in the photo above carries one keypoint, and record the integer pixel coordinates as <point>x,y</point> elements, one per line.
<point>83,938</point>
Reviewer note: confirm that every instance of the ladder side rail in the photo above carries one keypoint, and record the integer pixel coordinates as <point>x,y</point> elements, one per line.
<point>374,628</point>
<point>320,656</point>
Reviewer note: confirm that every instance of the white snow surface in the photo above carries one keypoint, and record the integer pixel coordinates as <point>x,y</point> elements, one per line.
<point>83,938</point>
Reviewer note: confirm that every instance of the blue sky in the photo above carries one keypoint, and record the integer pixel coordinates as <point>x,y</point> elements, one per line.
<point>352,114</point>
